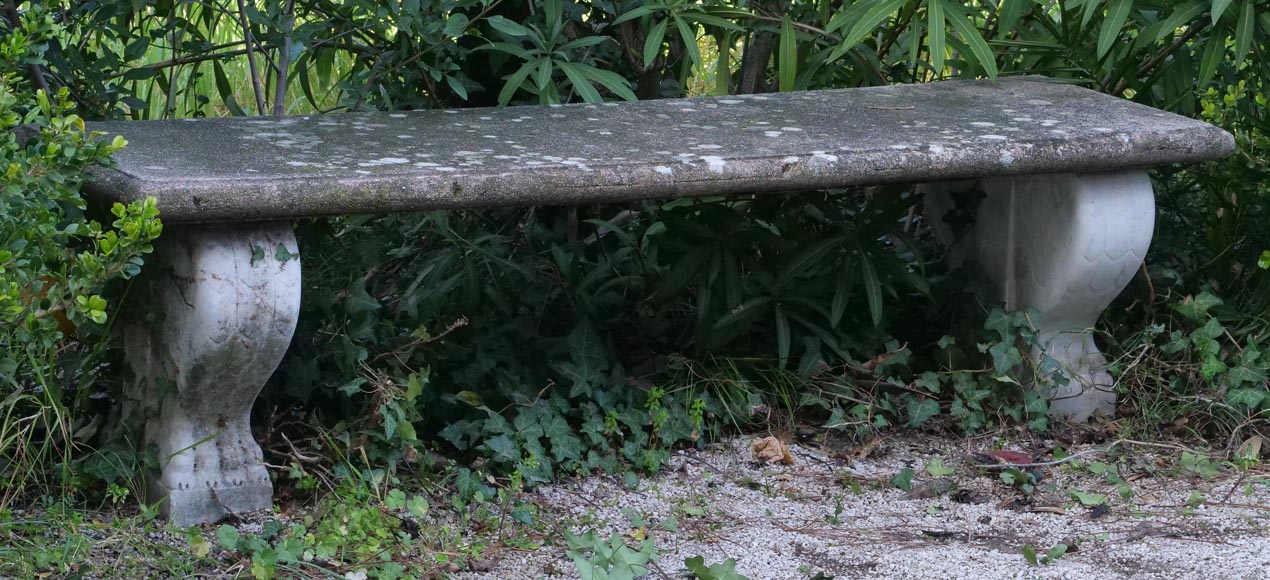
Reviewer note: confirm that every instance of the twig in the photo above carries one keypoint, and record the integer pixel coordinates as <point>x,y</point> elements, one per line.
<point>1106,449</point>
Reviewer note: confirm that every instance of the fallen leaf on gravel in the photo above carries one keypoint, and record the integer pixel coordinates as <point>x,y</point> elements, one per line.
<point>931,489</point>
<point>865,450</point>
<point>946,534</point>
<point>1047,509</point>
<point>1004,457</point>
<point>1099,511</point>
<point>970,496</point>
<point>771,450</point>
<point>1250,449</point>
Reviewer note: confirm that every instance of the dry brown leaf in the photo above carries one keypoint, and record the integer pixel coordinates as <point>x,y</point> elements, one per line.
<point>1250,449</point>
<point>771,450</point>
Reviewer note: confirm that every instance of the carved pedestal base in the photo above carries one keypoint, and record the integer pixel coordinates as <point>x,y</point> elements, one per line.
<point>212,324</point>
<point>1064,245</point>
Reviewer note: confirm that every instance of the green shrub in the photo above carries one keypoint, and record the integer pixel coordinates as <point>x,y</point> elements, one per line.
<point>56,267</point>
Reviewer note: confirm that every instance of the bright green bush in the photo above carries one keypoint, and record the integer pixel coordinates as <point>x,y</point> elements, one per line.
<point>56,266</point>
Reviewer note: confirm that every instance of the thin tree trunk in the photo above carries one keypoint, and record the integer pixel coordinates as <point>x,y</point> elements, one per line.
<point>284,62</point>
<point>758,53</point>
<point>251,58</point>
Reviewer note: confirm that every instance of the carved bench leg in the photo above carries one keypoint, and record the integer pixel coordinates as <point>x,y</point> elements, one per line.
<point>209,329</point>
<point>1064,245</point>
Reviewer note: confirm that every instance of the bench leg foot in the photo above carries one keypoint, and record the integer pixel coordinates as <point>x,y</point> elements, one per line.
<point>1064,245</point>
<point>210,328</point>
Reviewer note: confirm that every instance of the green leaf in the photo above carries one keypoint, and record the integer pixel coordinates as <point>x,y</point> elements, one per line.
<point>1220,6</point>
<point>612,81</point>
<point>644,10</point>
<point>746,311</point>
<point>872,287</point>
<point>418,506</point>
<point>1180,16</point>
<point>514,82</point>
<point>1029,554</point>
<point>971,36</point>
<point>688,34</point>
<point>841,295</point>
<point>652,44</point>
<point>936,468</point>
<point>1004,358</point>
<point>1248,398</point>
<point>1195,309</point>
<point>876,14</point>
<point>921,411</point>
<point>503,448</point>
<point>414,387</point>
<point>1089,499</point>
<point>782,336</point>
<point>935,27</point>
<point>806,259</point>
<point>1008,13</point>
<point>1112,24</point>
<point>506,26</point>
<point>687,268</point>
<point>580,83</point>
<point>1214,51</point>
<point>1243,35</point>
<point>584,42</point>
<point>282,254</point>
<point>787,56</point>
<point>228,537</point>
<point>904,479</point>
<point>696,565</point>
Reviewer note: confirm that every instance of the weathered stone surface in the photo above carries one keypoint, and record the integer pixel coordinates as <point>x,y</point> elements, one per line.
<point>208,170</point>
<point>1064,245</point>
<point>207,330</point>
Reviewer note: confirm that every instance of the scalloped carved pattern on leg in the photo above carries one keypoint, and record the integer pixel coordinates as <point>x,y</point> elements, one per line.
<point>1064,245</point>
<point>218,323</point>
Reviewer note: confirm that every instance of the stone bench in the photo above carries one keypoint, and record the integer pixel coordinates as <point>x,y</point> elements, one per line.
<point>1064,225</point>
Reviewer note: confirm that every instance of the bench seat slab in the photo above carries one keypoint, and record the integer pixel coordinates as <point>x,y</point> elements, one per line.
<point>210,327</point>
<point>1064,245</point>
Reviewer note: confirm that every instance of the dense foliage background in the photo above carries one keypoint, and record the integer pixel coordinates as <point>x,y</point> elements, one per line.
<point>548,340</point>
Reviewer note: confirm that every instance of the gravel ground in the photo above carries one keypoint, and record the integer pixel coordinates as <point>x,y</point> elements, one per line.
<point>797,521</point>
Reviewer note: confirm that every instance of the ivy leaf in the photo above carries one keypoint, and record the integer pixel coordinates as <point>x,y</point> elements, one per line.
<point>725,571</point>
<point>904,479</point>
<point>1001,322</point>
<point>282,254</point>
<point>1089,499</point>
<point>564,444</point>
<point>503,448</point>
<point>1248,398</point>
<point>1004,358</point>
<point>920,411</point>
<point>588,361</point>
